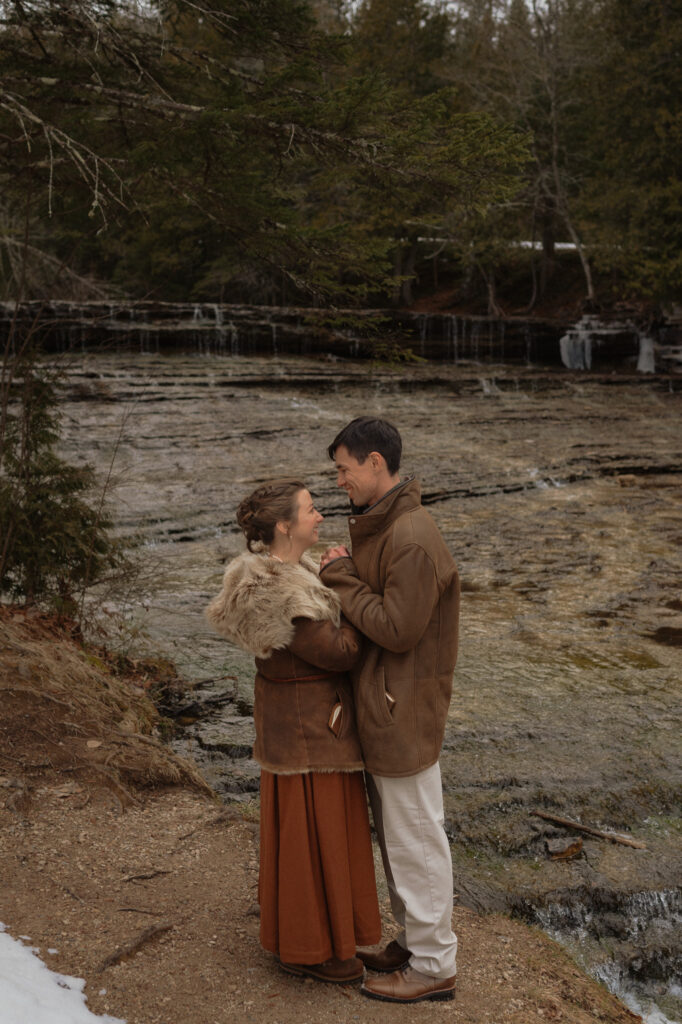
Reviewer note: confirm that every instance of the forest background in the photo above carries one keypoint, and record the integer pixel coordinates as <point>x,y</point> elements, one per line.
<point>314,152</point>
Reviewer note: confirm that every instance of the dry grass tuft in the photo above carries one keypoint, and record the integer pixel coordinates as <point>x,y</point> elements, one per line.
<point>65,710</point>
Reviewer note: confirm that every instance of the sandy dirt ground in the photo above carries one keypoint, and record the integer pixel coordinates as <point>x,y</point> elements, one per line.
<point>156,907</point>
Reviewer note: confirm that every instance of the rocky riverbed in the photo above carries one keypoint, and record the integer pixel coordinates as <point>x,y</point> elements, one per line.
<point>559,494</point>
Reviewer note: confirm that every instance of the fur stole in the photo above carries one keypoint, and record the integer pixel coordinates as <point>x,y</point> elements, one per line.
<point>260,598</point>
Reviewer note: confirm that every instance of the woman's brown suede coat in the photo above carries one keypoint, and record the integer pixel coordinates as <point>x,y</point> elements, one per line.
<point>401,590</point>
<point>295,694</point>
<point>291,621</point>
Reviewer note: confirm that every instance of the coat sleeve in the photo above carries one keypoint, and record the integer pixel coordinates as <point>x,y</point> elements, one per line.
<point>330,647</point>
<point>397,619</point>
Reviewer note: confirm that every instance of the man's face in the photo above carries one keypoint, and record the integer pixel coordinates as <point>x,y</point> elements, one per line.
<point>358,479</point>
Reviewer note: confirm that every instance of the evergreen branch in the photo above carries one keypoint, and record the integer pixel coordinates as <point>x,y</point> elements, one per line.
<point>85,160</point>
<point>370,152</point>
<point>217,17</point>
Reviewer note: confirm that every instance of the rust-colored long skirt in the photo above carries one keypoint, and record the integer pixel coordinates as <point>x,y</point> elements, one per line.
<point>316,888</point>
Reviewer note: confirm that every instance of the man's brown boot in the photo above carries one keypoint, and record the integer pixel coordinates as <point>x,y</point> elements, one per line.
<point>340,972</point>
<point>392,958</point>
<point>409,986</point>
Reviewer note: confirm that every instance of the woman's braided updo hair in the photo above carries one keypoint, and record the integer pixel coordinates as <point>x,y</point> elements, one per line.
<point>271,503</point>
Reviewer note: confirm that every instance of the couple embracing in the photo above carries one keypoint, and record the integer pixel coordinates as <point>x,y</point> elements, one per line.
<point>354,674</point>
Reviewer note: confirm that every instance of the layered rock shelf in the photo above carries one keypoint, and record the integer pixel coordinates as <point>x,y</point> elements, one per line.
<point>228,329</point>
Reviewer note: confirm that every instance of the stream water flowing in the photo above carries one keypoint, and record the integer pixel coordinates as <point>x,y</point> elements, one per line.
<point>559,494</point>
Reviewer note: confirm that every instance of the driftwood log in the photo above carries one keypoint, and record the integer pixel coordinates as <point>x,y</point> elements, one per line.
<point>137,943</point>
<point>613,837</point>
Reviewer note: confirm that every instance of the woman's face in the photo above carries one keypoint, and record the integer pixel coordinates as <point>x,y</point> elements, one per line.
<point>305,527</point>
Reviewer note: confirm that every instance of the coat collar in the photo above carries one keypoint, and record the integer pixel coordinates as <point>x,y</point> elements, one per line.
<point>404,497</point>
<point>261,597</point>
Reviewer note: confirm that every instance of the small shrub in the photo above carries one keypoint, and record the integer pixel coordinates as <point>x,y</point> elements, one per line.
<point>54,538</point>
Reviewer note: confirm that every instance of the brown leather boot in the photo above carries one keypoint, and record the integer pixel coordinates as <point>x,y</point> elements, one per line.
<point>408,986</point>
<point>391,958</point>
<point>339,972</point>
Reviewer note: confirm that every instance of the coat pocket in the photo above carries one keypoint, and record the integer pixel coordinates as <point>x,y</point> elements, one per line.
<point>341,720</point>
<point>335,721</point>
<point>385,700</point>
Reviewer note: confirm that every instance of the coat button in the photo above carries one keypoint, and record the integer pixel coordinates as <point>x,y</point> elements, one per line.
<point>352,522</point>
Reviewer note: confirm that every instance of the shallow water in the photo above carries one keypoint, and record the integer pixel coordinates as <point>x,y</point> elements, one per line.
<point>559,494</point>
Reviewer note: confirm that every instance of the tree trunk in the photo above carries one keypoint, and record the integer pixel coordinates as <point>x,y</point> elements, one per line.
<point>547,218</point>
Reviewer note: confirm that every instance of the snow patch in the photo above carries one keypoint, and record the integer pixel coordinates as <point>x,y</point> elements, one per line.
<point>29,991</point>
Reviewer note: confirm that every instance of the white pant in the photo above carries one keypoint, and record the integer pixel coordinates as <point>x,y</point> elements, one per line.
<point>408,817</point>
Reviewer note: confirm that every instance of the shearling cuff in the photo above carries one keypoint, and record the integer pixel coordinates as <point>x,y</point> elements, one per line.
<point>350,567</point>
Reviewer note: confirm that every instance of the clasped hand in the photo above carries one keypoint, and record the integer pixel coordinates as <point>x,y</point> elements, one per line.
<point>340,551</point>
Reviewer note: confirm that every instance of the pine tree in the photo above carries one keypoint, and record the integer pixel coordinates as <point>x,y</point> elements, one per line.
<point>229,155</point>
<point>54,538</point>
<point>634,199</point>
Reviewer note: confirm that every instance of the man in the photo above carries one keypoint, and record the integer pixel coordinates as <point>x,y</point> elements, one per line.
<point>400,588</point>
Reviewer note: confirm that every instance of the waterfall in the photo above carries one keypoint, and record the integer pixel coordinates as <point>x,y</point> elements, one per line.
<point>646,362</point>
<point>576,345</point>
<point>475,334</point>
<point>609,342</point>
<point>220,331</point>
<point>230,329</point>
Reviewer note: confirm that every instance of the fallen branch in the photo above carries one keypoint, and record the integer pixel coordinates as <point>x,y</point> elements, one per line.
<point>613,837</point>
<point>138,910</point>
<point>148,874</point>
<point>69,892</point>
<point>132,947</point>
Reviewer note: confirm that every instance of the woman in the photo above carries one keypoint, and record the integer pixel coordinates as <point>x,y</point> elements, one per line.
<point>317,890</point>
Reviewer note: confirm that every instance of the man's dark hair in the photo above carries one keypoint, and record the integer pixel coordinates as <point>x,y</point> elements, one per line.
<point>367,434</point>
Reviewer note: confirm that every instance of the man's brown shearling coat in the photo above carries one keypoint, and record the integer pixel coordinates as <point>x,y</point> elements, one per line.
<point>401,590</point>
<point>284,615</point>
